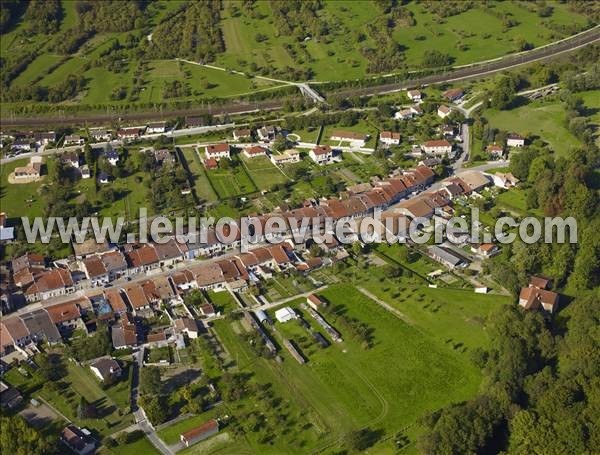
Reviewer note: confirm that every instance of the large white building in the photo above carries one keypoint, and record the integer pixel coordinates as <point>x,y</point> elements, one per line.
<point>218,151</point>
<point>321,154</point>
<point>439,147</point>
<point>285,314</point>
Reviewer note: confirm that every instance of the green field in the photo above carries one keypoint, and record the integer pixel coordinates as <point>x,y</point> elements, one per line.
<point>546,119</point>
<point>339,54</point>
<point>263,173</point>
<point>81,383</point>
<point>417,362</point>
<point>482,34</point>
<point>141,446</point>
<point>201,183</point>
<point>231,182</point>
<point>21,199</point>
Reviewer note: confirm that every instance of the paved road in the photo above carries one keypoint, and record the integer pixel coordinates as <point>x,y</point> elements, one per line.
<point>138,412</point>
<point>469,72</point>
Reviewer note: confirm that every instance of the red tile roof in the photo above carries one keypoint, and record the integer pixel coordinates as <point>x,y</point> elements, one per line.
<point>136,296</point>
<point>63,312</point>
<point>115,300</point>
<point>94,266</point>
<point>217,148</point>
<point>321,150</point>
<point>210,426</point>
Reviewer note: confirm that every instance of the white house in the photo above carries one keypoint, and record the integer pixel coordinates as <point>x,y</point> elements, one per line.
<point>504,180</point>
<point>289,156</point>
<point>416,110</point>
<point>254,151</point>
<point>285,314</point>
<point>443,111</point>
<point>439,147</point>
<point>266,133</point>
<point>389,138</point>
<point>355,139</point>
<point>494,150</point>
<point>414,95</point>
<point>321,154</point>
<point>101,134</point>
<point>22,145</point>
<point>515,140</point>
<point>71,159</point>
<point>242,134</point>
<point>105,368</point>
<point>156,127</point>
<point>85,171</point>
<point>112,156</point>
<point>74,139</point>
<point>103,178</point>
<point>218,151</point>
<point>403,114</point>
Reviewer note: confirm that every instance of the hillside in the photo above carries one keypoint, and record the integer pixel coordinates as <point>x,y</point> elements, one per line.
<point>99,54</point>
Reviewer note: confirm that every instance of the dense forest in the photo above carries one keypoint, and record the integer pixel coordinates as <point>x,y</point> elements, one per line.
<point>541,393</point>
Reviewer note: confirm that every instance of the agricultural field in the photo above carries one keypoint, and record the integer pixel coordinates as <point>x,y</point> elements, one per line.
<point>424,347</point>
<point>469,36</point>
<point>253,44</point>
<point>477,35</point>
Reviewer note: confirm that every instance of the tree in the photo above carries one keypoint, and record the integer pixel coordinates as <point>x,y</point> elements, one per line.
<point>50,366</point>
<point>279,144</point>
<point>18,438</point>
<point>155,407</point>
<point>150,381</point>
<point>504,92</point>
<point>357,248</point>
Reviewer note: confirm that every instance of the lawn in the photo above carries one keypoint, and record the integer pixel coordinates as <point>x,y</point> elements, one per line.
<point>157,355</point>
<point>81,383</point>
<point>545,118</point>
<point>201,183</point>
<point>131,195</point>
<point>514,200</point>
<point>170,434</point>
<point>141,446</point>
<point>222,301</point>
<point>263,173</point>
<point>21,199</point>
<point>232,181</point>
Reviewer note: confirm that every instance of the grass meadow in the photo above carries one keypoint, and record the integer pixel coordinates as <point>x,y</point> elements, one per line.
<point>416,364</point>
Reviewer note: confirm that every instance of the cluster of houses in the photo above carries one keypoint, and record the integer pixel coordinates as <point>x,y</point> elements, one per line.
<point>25,141</point>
